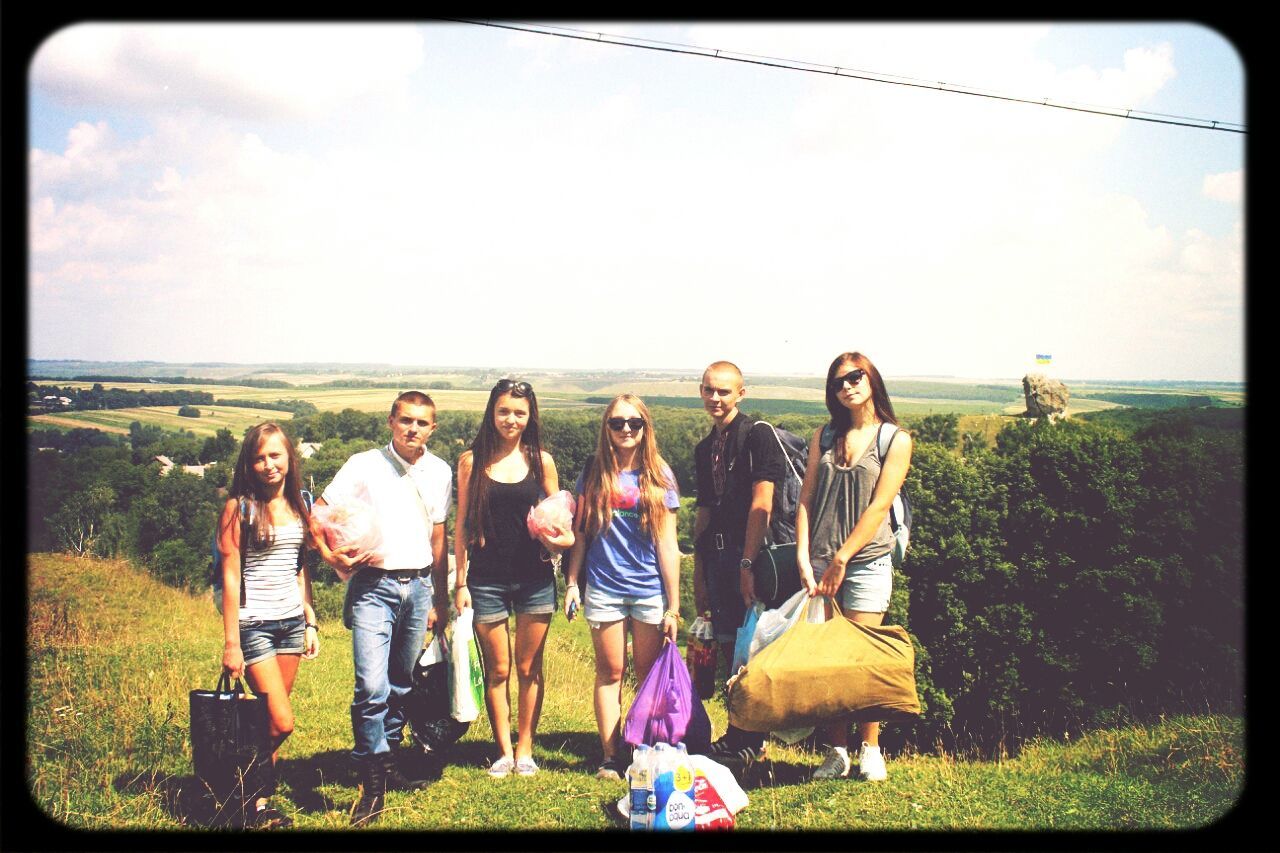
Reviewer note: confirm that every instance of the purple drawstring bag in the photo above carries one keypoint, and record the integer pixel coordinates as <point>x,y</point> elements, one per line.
<point>665,709</point>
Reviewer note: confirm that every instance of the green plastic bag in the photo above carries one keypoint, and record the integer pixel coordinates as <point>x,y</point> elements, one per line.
<point>466,671</point>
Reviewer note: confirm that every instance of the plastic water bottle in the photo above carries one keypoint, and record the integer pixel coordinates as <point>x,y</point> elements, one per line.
<point>673,789</point>
<point>640,780</point>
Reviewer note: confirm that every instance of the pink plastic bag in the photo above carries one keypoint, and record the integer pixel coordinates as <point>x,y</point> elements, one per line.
<point>347,523</point>
<point>554,511</point>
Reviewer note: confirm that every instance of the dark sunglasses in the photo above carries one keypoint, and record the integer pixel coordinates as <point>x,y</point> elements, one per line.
<point>853,377</point>
<point>520,389</point>
<point>616,424</point>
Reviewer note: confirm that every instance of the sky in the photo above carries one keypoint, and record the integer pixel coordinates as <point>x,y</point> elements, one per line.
<point>456,194</point>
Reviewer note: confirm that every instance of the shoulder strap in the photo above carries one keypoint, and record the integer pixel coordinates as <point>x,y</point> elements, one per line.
<point>827,439</point>
<point>306,501</point>
<point>882,444</point>
<point>246,534</point>
<point>403,472</point>
<point>782,449</point>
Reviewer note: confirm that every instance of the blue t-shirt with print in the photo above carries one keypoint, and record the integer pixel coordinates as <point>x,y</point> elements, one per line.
<point>622,559</point>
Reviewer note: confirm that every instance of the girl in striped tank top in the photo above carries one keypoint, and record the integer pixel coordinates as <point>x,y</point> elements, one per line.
<point>268,620</point>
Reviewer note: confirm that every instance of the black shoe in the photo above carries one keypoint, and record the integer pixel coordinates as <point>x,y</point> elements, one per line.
<point>373,793</point>
<point>404,773</point>
<point>266,817</point>
<point>739,747</point>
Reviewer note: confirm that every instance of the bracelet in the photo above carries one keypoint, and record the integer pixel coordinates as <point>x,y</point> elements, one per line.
<point>312,626</point>
<point>673,614</point>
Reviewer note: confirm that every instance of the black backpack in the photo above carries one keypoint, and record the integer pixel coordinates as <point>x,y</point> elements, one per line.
<point>786,495</point>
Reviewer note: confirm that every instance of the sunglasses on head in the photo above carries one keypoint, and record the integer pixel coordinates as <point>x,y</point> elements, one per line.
<point>520,389</point>
<point>853,377</point>
<point>616,424</point>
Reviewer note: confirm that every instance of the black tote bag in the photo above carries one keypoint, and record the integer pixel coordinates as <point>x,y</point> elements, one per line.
<point>231,742</point>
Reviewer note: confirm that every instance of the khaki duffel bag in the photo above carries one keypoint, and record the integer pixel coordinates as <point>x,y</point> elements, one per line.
<point>815,673</point>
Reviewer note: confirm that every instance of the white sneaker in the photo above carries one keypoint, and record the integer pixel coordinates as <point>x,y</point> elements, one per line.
<point>871,763</point>
<point>834,766</point>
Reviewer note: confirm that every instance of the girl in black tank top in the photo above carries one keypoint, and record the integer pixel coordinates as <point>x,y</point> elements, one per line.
<point>509,553</point>
<point>502,476</point>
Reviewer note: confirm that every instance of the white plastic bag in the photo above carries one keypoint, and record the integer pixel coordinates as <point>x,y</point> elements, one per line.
<point>466,677</point>
<point>772,623</point>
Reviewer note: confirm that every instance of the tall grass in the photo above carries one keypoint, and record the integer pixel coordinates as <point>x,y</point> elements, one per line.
<point>112,655</point>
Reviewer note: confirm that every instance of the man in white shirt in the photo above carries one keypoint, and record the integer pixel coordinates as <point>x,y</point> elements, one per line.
<point>390,603</point>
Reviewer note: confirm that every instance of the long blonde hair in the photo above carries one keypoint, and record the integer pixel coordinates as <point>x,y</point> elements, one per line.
<point>600,480</point>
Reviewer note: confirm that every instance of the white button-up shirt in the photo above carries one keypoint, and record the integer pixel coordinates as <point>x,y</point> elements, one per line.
<point>406,522</point>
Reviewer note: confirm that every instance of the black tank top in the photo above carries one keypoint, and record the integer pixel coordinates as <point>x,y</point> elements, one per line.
<point>509,553</point>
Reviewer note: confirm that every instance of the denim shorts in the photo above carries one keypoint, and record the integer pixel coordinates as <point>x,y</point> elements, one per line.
<point>601,607</point>
<point>494,602</point>
<point>866,585</point>
<point>265,638</point>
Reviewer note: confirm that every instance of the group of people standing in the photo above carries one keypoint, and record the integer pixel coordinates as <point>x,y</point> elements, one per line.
<point>621,570</point>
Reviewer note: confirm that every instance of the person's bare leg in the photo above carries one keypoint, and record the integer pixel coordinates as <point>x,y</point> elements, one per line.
<point>531,639</point>
<point>495,644</point>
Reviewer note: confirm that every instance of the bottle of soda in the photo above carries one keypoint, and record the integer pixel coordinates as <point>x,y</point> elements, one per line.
<point>640,780</point>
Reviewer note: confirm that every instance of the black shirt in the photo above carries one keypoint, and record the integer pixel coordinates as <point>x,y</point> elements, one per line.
<point>751,455</point>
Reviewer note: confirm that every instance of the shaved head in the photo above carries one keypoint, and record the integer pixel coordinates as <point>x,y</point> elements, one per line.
<point>722,367</point>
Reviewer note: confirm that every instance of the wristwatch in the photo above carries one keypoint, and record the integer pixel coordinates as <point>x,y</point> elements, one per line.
<point>744,563</point>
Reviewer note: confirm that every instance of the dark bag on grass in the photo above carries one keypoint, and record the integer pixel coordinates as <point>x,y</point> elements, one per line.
<point>427,707</point>
<point>231,742</point>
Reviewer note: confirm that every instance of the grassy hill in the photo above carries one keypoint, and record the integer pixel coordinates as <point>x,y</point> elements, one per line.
<point>113,654</point>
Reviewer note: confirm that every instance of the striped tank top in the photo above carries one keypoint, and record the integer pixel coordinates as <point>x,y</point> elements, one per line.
<point>270,577</point>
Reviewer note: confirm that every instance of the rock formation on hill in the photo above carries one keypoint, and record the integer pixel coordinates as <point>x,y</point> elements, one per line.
<point>1045,397</point>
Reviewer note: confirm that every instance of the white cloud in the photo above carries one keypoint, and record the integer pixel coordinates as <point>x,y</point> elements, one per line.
<point>1225,186</point>
<point>260,71</point>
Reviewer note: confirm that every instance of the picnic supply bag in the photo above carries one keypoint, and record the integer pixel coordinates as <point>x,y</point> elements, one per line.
<point>772,624</point>
<point>742,641</point>
<point>466,671</point>
<point>814,673</point>
<point>665,709</point>
<point>350,522</point>
<point>231,743</point>
<point>551,512</point>
<point>427,706</point>
<point>702,656</point>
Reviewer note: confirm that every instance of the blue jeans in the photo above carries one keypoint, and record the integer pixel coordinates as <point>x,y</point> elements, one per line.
<point>388,624</point>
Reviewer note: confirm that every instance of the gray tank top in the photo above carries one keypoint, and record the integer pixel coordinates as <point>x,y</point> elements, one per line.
<point>841,496</point>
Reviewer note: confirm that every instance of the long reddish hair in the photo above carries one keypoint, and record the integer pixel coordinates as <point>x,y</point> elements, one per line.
<point>841,417</point>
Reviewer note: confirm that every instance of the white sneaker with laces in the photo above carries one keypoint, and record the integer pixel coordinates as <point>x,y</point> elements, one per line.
<point>871,763</point>
<point>834,766</point>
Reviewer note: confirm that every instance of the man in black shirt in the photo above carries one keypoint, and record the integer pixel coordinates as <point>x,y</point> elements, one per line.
<point>737,467</point>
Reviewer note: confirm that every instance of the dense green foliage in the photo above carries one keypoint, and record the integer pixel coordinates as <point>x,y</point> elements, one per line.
<point>1075,572</point>
<point>298,407</point>
<point>1153,401</point>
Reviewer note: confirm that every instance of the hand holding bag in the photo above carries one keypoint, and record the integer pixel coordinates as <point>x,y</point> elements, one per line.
<point>665,709</point>
<point>231,742</point>
<point>815,673</point>
<point>466,673</point>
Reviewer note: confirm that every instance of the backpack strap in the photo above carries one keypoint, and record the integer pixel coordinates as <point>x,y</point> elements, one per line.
<point>246,531</point>
<point>781,449</point>
<point>306,501</point>
<point>827,439</point>
<point>883,444</point>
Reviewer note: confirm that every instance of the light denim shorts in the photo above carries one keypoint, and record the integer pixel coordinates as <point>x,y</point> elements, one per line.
<point>265,638</point>
<point>866,586</point>
<point>601,608</point>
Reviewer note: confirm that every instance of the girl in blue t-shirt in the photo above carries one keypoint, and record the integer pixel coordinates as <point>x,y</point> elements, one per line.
<point>626,539</point>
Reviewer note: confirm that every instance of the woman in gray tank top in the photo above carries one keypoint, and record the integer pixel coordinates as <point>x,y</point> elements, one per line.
<point>842,523</point>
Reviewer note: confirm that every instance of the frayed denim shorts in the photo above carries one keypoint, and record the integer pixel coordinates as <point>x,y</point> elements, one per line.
<point>265,638</point>
<point>494,602</point>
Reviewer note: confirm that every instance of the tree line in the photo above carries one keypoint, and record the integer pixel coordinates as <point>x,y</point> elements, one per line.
<point>1071,574</point>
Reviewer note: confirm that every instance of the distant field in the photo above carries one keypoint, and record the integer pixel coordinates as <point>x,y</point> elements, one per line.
<point>212,419</point>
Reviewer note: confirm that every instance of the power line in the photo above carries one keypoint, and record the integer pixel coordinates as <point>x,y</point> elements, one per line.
<point>856,74</point>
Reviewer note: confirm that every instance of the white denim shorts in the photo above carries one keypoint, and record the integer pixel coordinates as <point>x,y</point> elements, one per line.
<point>601,608</point>
<point>866,586</point>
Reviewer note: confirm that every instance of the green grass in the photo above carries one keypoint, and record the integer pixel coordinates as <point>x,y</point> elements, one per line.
<point>113,653</point>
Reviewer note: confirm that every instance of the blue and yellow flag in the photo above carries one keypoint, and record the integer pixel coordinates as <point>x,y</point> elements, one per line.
<point>1043,358</point>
